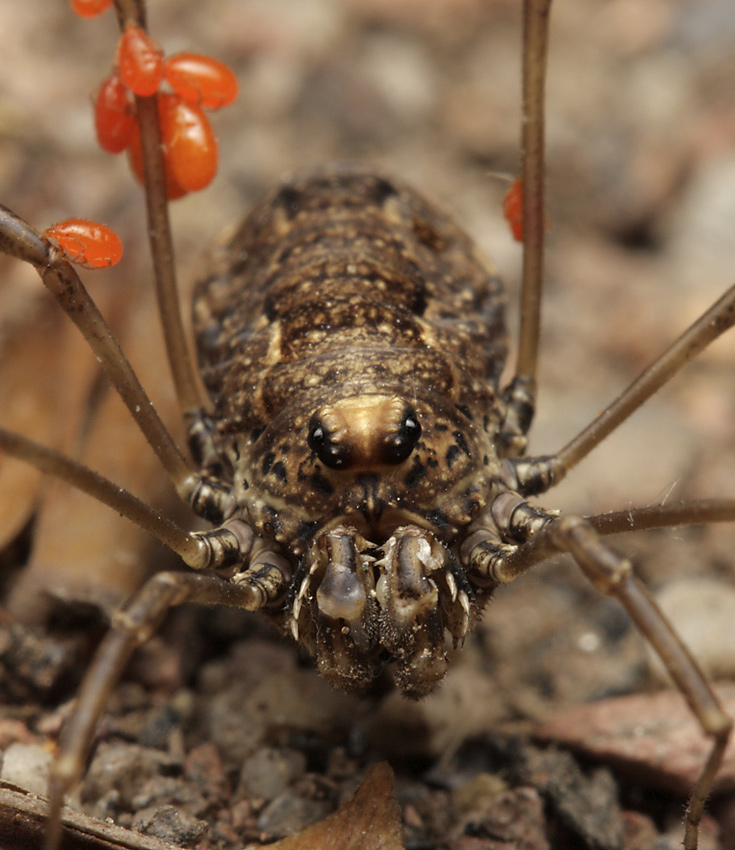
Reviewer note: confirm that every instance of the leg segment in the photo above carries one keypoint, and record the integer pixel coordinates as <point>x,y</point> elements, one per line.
<point>612,574</point>
<point>184,543</point>
<point>535,44</point>
<point>520,396</point>
<point>20,240</point>
<point>132,626</point>
<point>699,512</point>
<point>536,475</point>
<point>229,544</point>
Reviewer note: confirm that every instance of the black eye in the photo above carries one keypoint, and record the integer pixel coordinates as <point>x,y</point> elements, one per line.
<point>331,454</point>
<point>400,445</point>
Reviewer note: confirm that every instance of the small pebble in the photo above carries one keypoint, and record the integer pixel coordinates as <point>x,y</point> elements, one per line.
<point>27,766</point>
<point>170,824</point>
<point>478,791</point>
<point>268,772</point>
<point>203,770</point>
<point>513,819</point>
<point>289,813</point>
<point>123,769</point>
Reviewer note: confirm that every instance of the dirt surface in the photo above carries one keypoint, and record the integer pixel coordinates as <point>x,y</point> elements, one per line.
<point>221,735</point>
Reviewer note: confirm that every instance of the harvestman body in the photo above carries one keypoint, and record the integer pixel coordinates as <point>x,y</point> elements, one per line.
<point>362,466</point>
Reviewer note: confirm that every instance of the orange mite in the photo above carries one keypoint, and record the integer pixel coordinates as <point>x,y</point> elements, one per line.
<point>113,115</point>
<point>90,8</point>
<point>189,147</point>
<point>201,80</point>
<point>86,243</point>
<point>141,61</point>
<point>513,209</point>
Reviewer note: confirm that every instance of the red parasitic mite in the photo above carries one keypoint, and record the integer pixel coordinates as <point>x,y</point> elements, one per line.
<point>90,8</point>
<point>513,209</point>
<point>86,243</point>
<point>201,80</point>
<point>114,117</point>
<point>140,60</point>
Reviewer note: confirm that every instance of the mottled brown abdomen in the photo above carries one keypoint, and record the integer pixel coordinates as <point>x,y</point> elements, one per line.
<point>342,259</point>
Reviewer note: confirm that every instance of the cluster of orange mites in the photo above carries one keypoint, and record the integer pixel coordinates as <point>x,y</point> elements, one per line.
<point>194,83</point>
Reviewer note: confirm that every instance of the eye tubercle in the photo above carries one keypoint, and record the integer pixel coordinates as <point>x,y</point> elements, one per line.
<point>364,431</point>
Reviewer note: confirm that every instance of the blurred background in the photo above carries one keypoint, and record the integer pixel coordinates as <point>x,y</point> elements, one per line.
<point>641,207</point>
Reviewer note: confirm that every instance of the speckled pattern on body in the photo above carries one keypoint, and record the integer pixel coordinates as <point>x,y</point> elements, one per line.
<point>352,340</point>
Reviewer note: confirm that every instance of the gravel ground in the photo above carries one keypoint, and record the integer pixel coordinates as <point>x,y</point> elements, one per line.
<point>221,735</point>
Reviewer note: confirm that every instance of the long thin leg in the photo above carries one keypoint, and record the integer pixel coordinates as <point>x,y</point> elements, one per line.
<point>192,399</point>
<point>536,475</point>
<point>698,512</point>
<point>535,48</point>
<point>200,550</point>
<point>131,627</point>
<point>520,395</point>
<point>187,545</point>
<point>713,323</point>
<point>612,574</point>
<point>20,240</point>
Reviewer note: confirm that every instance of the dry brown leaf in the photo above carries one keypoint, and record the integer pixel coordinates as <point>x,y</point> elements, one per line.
<point>31,337</point>
<point>654,737</point>
<point>371,820</point>
<point>81,549</point>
